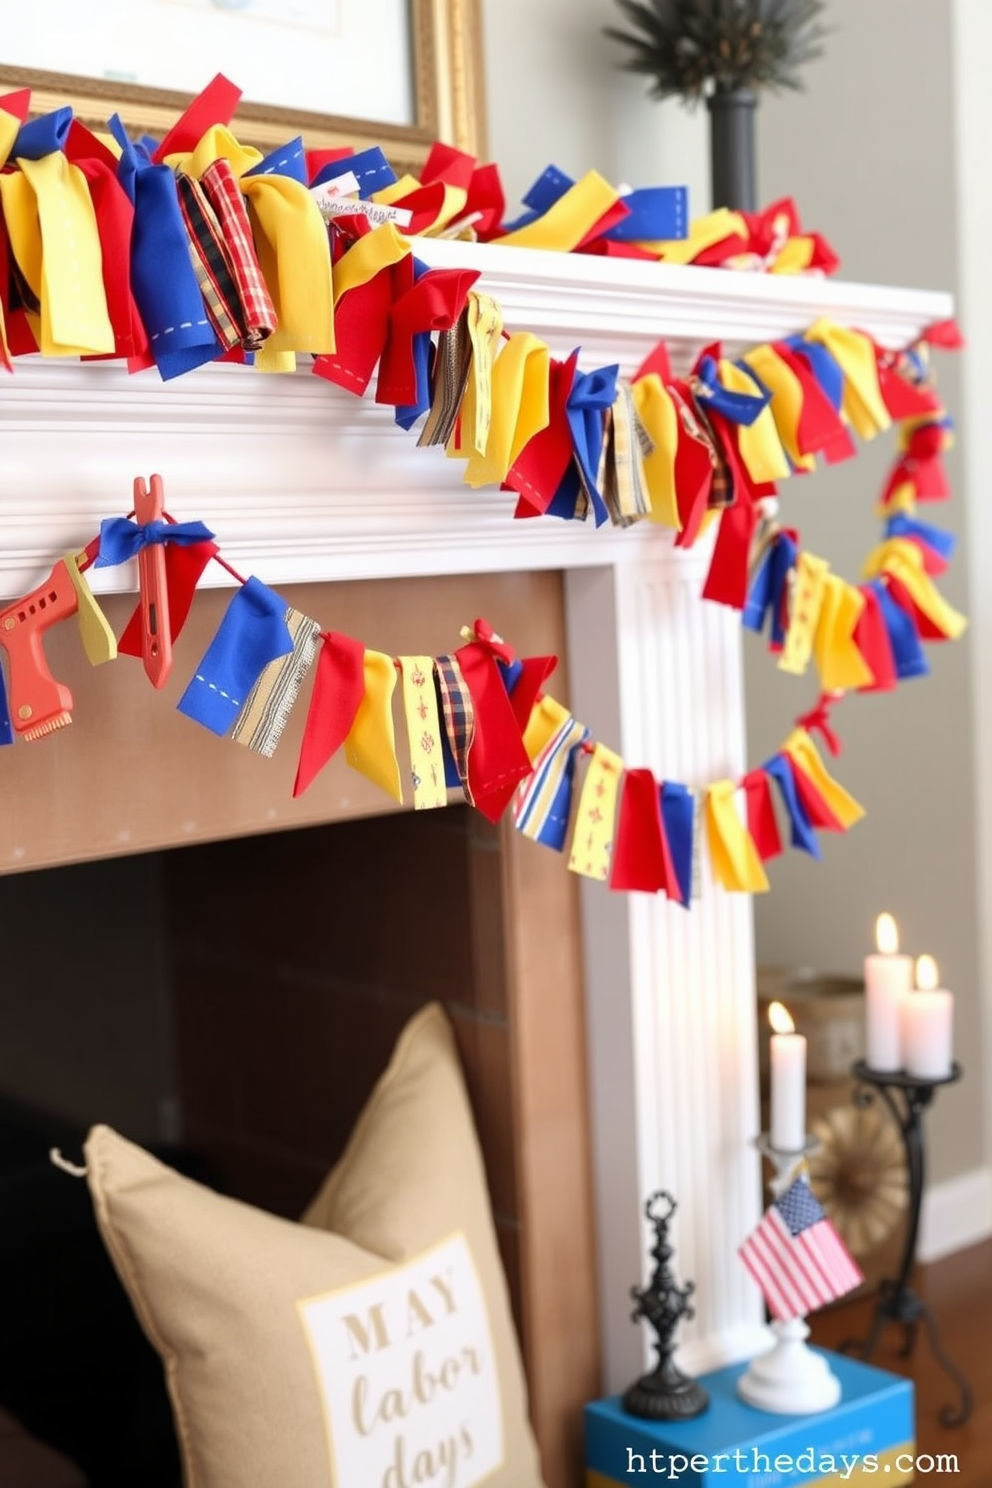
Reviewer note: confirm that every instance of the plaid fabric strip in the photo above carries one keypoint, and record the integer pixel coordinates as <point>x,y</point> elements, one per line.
<point>451,371</point>
<point>210,261</point>
<point>459,714</point>
<point>258,315</point>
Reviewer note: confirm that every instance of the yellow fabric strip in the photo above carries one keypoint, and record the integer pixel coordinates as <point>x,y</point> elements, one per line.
<point>759,443</point>
<point>863,402</point>
<point>400,187</point>
<point>484,319</point>
<point>370,747</point>
<point>800,747</point>
<point>99,641</point>
<point>519,407</point>
<point>838,660</point>
<point>367,256</point>
<point>658,414</point>
<point>295,259</point>
<point>452,206</point>
<point>545,720</point>
<point>423,726</point>
<point>809,588</point>
<point>565,224</point>
<point>903,559</point>
<point>216,143</point>
<point>794,257</point>
<point>20,211</point>
<point>736,861</point>
<point>704,232</point>
<point>787,399</point>
<point>903,499</point>
<point>74,316</point>
<point>592,836</point>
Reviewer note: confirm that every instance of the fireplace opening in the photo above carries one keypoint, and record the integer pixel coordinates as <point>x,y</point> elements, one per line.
<point>231,1005</point>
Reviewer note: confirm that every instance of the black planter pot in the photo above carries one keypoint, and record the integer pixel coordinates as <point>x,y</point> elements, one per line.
<point>732,155</point>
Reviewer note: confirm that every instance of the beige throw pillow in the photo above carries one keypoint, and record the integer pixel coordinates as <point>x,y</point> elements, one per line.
<point>371,1346</point>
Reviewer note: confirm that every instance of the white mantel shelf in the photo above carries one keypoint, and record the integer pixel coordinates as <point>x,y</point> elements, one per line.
<point>301,480</point>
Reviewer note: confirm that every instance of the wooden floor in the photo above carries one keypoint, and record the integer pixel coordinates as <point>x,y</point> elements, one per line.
<point>959,1291</point>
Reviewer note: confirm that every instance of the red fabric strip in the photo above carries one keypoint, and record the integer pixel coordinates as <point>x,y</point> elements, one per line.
<point>537,471</point>
<point>497,761</point>
<point>433,303</point>
<point>761,822</point>
<point>641,857</point>
<point>215,105</point>
<point>183,566</point>
<point>338,690</point>
<point>726,581</point>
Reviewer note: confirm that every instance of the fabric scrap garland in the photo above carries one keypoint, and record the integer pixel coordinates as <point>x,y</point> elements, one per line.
<point>477,721</point>
<point>197,249</point>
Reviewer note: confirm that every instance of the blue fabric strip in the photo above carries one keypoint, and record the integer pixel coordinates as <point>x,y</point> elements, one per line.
<point>592,396</point>
<point>802,834</point>
<point>759,597</point>
<point>40,137</point>
<point>163,280</point>
<point>823,365</point>
<point>678,815</point>
<point>740,408</point>
<point>122,539</point>
<point>370,168</point>
<point>904,638</point>
<point>252,633</point>
<point>657,214</point>
<point>784,558</point>
<point>943,543</point>
<point>6,729</point>
<point>289,160</point>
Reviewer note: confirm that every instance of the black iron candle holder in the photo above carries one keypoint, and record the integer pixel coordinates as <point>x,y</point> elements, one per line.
<point>907,1098</point>
<point>666,1394</point>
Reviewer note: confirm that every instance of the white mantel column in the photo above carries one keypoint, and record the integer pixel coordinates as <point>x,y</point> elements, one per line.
<point>671,999</point>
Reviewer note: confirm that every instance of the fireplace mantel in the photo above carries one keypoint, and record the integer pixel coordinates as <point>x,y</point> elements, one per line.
<point>303,483</point>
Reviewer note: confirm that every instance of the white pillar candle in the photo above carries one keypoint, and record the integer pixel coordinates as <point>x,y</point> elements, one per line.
<point>928,1021</point>
<point>888,980</point>
<point>788,1083</point>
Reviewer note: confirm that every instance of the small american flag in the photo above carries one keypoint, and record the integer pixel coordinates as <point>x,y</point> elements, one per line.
<point>797,1257</point>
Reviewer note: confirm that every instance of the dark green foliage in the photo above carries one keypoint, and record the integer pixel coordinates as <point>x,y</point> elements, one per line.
<point>688,48</point>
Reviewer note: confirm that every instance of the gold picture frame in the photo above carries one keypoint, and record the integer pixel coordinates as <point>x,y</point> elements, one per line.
<point>446,43</point>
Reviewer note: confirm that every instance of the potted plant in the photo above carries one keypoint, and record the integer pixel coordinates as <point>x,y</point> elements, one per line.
<point>725,51</point>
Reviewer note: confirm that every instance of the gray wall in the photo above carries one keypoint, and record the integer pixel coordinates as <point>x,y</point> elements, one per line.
<point>869,154</point>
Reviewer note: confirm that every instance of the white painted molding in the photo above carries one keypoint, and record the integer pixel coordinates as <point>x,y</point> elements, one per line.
<point>302,481</point>
<point>956,1213</point>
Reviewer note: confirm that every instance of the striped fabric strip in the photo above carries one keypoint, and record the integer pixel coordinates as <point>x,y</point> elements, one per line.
<point>543,803</point>
<point>258,316</point>
<point>267,708</point>
<point>621,477</point>
<point>210,261</point>
<point>458,711</point>
<point>452,364</point>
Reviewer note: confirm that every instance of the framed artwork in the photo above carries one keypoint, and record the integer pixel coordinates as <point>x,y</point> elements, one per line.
<point>397,73</point>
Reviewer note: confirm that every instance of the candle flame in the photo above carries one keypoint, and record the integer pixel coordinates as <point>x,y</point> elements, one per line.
<point>927,975</point>
<point>886,935</point>
<point>780,1019</point>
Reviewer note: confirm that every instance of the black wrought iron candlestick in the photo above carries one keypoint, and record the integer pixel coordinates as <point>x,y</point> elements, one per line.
<point>907,1098</point>
<point>666,1394</point>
